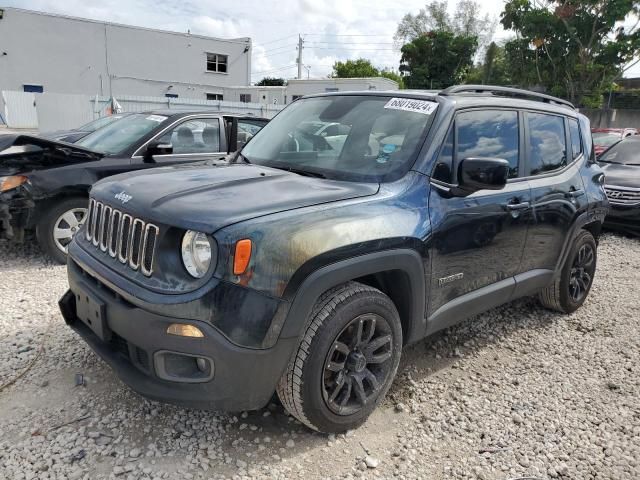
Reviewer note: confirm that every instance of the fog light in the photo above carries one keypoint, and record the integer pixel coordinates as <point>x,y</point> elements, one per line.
<point>202,364</point>
<point>184,330</point>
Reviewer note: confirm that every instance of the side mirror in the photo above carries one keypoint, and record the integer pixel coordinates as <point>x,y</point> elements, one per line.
<point>482,174</point>
<point>157,148</point>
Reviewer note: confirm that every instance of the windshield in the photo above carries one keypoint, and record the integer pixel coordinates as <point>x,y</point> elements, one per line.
<point>357,137</point>
<point>99,123</point>
<point>626,152</point>
<point>605,139</point>
<point>117,136</point>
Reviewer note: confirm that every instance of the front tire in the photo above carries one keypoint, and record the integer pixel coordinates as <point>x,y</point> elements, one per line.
<point>58,226</point>
<point>346,361</point>
<point>569,291</point>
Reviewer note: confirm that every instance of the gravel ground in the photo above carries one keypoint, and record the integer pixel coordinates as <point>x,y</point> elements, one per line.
<point>516,392</point>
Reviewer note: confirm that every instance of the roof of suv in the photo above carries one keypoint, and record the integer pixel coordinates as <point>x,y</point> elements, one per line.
<point>476,96</point>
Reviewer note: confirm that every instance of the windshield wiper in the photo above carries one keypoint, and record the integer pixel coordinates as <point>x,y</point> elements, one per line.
<point>304,173</point>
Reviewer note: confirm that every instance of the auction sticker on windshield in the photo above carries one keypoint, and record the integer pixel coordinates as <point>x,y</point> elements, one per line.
<point>156,118</point>
<point>411,105</point>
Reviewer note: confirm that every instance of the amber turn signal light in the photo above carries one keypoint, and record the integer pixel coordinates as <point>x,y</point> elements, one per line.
<point>242,256</point>
<point>184,330</point>
<point>8,183</point>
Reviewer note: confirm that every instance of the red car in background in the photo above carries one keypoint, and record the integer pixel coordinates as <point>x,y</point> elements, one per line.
<point>603,138</point>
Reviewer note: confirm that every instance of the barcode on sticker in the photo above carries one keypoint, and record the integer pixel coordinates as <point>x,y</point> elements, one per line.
<point>411,105</point>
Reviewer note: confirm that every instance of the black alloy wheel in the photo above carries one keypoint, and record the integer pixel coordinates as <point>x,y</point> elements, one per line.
<point>346,360</point>
<point>571,286</point>
<point>357,364</point>
<point>582,271</point>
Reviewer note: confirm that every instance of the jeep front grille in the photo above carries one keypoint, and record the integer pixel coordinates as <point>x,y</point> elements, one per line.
<point>131,240</point>
<point>623,195</point>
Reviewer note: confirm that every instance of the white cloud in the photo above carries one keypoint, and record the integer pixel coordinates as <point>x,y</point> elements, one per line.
<point>333,29</point>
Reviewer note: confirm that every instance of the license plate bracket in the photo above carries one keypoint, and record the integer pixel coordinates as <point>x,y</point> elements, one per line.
<point>91,310</point>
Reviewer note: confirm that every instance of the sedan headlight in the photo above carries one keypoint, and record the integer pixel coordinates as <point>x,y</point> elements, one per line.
<point>197,252</point>
<point>9,183</point>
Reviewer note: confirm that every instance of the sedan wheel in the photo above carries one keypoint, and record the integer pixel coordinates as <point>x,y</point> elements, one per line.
<point>66,226</point>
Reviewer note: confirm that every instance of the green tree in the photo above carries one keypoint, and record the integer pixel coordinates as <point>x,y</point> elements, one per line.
<point>493,69</point>
<point>467,20</point>
<point>574,49</point>
<point>271,82</point>
<point>437,59</point>
<point>395,76</point>
<point>359,68</point>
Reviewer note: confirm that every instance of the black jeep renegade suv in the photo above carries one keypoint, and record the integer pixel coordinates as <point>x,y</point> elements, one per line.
<point>353,224</point>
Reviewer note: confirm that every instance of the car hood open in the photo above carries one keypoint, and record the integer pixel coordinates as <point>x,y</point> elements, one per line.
<point>25,153</point>
<point>205,198</point>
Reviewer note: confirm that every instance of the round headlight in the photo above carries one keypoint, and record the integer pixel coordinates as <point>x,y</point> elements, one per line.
<point>196,253</point>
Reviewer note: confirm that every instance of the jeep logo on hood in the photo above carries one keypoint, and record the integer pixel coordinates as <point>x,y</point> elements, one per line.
<point>123,197</point>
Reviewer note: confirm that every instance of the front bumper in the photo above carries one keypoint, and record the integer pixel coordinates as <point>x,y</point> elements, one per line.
<point>134,338</point>
<point>625,218</point>
<point>16,211</point>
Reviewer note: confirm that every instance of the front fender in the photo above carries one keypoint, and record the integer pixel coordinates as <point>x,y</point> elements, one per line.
<point>294,322</point>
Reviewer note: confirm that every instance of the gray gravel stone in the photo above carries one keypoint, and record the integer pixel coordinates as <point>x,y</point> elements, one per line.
<point>518,391</point>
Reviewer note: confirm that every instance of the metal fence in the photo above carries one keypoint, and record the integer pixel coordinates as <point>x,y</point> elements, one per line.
<point>56,111</point>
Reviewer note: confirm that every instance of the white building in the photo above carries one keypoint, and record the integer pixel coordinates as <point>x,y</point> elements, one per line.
<point>256,94</point>
<point>298,88</point>
<point>42,52</point>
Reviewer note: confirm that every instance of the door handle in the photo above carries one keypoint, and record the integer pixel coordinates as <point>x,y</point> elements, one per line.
<point>575,193</point>
<point>512,207</point>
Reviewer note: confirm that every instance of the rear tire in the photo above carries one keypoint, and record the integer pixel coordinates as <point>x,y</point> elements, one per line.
<point>58,226</point>
<point>570,290</point>
<point>346,361</point>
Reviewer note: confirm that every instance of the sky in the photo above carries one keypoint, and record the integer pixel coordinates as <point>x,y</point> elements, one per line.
<point>332,29</point>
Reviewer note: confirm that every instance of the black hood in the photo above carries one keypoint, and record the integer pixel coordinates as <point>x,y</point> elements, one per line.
<point>621,175</point>
<point>205,198</point>
<point>26,153</point>
<point>69,136</point>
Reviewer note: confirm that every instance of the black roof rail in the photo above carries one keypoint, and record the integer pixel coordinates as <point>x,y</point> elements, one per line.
<point>505,91</point>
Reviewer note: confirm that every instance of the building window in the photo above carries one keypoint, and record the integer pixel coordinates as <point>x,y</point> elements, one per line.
<point>331,89</point>
<point>171,95</point>
<point>214,96</point>
<point>245,97</point>
<point>217,63</point>
<point>33,88</point>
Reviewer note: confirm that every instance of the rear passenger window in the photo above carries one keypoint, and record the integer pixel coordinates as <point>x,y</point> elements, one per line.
<point>489,133</point>
<point>547,146</point>
<point>576,142</point>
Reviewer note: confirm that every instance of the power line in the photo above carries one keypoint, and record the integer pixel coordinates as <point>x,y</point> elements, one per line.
<point>351,34</point>
<point>279,53</point>
<point>353,43</point>
<point>274,70</point>
<point>278,39</point>
<point>356,49</point>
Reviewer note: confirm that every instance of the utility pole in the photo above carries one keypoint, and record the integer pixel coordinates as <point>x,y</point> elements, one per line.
<point>300,43</point>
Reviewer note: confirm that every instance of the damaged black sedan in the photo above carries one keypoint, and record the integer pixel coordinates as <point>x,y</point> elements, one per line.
<point>44,184</point>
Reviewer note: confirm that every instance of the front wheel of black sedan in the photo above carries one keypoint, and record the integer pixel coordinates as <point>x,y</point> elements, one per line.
<point>571,289</point>
<point>346,361</point>
<point>58,226</point>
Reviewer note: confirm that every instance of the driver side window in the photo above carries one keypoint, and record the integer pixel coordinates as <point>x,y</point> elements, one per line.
<point>201,135</point>
<point>489,133</point>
